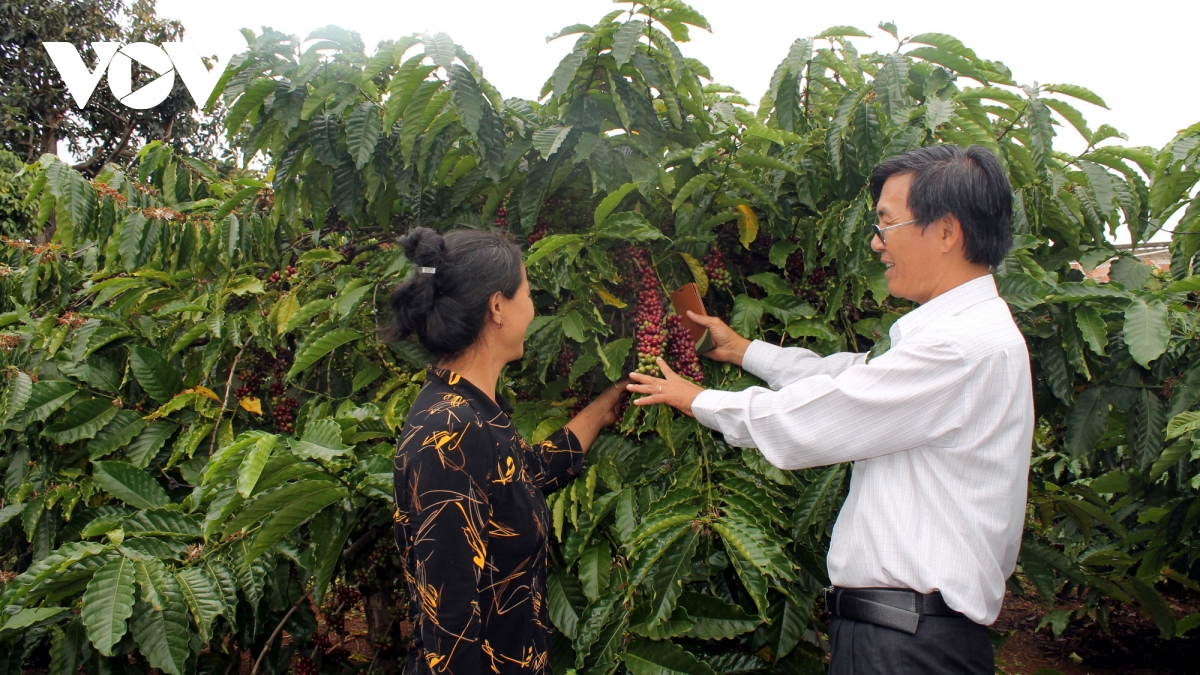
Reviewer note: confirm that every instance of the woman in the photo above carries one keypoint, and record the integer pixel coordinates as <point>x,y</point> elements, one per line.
<point>471,517</point>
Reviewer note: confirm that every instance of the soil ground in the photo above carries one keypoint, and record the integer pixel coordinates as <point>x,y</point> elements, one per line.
<point>1133,647</point>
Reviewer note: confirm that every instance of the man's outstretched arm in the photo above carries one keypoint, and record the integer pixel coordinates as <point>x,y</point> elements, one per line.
<point>777,366</point>
<point>909,397</point>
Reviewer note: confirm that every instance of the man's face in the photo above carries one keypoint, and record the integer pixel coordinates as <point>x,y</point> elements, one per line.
<point>912,254</point>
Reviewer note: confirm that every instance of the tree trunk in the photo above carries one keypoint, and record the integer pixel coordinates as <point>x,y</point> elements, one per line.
<point>50,141</point>
<point>384,601</point>
<point>382,629</point>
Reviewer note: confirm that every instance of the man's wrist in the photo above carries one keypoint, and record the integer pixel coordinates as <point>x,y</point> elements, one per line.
<point>741,354</point>
<point>701,407</point>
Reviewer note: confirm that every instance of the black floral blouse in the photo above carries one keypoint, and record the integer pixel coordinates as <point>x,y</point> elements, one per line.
<point>472,525</point>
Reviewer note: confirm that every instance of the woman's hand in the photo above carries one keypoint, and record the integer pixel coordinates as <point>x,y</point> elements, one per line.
<point>730,347</point>
<point>608,401</point>
<point>670,389</point>
<point>601,412</point>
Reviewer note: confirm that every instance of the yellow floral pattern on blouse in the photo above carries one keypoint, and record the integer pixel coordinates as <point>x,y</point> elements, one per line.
<point>472,526</point>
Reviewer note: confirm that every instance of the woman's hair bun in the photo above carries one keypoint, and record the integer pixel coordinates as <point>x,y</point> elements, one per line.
<point>423,246</point>
<point>413,299</point>
<point>445,309</point>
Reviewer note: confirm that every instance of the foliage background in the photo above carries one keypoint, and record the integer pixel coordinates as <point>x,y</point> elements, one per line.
<point>198,418</point>
<point>36,112</point>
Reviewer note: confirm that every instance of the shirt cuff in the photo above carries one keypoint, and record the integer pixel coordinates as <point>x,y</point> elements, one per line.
<point>760,357</point>
<point>571,441</point>
<point>705,407</point>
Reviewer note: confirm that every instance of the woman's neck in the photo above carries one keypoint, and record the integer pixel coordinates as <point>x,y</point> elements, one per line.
<point>478,367</point>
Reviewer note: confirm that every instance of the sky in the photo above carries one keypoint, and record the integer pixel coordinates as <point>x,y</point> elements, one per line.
<point>1138,56</point>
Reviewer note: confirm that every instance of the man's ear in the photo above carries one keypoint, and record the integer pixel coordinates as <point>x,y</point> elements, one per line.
<point>949,233</point>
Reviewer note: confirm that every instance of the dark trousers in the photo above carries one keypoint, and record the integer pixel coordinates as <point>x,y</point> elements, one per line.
<point>942,645</point>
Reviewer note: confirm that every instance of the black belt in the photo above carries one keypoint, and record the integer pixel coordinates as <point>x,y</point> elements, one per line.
<point>897,608</point>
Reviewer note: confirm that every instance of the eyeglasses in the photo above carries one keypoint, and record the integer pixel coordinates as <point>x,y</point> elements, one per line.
<point>880,230</point>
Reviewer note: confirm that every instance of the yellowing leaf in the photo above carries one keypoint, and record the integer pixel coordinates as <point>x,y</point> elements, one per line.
<point>698,273</point>
<point>608,298</point>
<point>287,307</point>
<point>747,225</point>
<point>203,391</point>
<point>251,404</point>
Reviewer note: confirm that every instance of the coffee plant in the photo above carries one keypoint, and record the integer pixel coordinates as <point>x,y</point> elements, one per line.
<point>199,415</point>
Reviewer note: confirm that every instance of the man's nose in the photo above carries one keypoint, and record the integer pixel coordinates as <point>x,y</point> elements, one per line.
<point>877,244</point>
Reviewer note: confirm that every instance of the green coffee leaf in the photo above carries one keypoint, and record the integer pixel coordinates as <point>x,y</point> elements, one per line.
<point>82,421</point>
<point>130,484</point>
<point>322,439</point>
<point>108,603</point>
<point>319,348</point>
<point>158,377</point>
<point>1146,330</point>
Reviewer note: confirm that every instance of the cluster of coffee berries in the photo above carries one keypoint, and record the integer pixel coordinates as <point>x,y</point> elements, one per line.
<point>580,403</point>
<point>566,358</point>
<point>524,396</point>
<point>276,276</point>
<point>681,351</point>
<point>501,217</point>
<point>284,414</point>
<point>348,251</point>
<point>346,596</point>
<point>382,563</point>
<point>813,288</point>
<point>343,598</point>
<point>322,641</point>
<point>794,265</point>
<point>622,406</point>
<point>236,303</point>
<point>305,666</point>
<point>258,367</point>
<point>334,220</point>
<point>650,335</point>
<point>718,274</point>
<point>539,232</point>
<point>336,623</point>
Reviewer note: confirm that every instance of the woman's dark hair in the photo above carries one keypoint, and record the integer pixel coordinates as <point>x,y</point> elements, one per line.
<point>445,309</point>
<point>967,183</point>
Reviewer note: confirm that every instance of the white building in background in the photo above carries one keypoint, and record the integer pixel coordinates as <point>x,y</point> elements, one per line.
<point>1152,253</point>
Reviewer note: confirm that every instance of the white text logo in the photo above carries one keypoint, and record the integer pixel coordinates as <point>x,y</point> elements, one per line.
<point>117,60</point>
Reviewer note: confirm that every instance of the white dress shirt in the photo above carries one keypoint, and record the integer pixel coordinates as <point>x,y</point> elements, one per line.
<point>940,428</point>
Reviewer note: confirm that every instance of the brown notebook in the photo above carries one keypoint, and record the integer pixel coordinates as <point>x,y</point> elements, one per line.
<point>688,297</point>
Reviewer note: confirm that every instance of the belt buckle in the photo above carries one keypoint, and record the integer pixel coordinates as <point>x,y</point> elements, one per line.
<point>831,600</point>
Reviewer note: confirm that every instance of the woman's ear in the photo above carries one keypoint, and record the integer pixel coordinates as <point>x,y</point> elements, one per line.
<point>494,308</point>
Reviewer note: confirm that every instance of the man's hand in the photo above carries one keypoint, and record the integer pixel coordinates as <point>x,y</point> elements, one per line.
<point>670,389</point>
<point>730,347</point>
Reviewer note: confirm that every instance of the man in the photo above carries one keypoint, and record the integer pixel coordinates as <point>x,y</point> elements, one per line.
<point>939,427</point>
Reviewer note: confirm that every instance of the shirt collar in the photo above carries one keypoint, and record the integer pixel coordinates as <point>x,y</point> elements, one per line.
<point>949,303</point>
<point>463,387</point>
